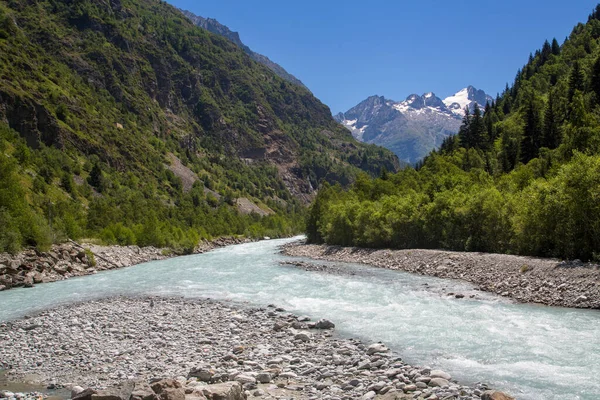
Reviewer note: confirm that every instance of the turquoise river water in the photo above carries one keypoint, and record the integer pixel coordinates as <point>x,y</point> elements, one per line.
<point>533,352</point>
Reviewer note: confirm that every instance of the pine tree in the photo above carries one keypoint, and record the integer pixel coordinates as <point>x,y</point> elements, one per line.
<point>576,80</point>
<point>555,47</point>
<point>477,129</point>
<point>551,136</point>
<point>595,81</point>
<point>531,143</point>
<point>463,132</point>
<point>545,54</point>
<point>595,14</point>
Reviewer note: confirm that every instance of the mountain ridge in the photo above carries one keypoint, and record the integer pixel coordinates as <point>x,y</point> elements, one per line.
<point>214,26</point>
<point>413,127</point>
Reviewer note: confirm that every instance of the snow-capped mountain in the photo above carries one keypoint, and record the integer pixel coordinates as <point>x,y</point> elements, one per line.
<point>413,127</point>
<point>468,96</point>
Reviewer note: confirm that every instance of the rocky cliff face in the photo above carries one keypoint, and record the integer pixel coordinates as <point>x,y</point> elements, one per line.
<point>413,127</point>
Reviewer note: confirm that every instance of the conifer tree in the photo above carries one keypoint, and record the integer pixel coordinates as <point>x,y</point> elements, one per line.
<point>546,52</point>
<point>595,80</point>
<point>555,47</point>
<point>531,143</point>
<point>477,129</point>
<point>576,80</point>
<point>551,137</point>
<point>463,132</point>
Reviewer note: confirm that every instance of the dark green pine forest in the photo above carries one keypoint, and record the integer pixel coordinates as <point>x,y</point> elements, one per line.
<point>522,176</point>
<point>122,121</point>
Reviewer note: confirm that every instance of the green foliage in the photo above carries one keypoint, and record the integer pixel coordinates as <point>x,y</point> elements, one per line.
<point>524,178</point>
<point>96,99</point>
<point>90,258</point>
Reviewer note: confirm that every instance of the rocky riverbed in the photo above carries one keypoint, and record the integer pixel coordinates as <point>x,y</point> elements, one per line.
<point>176,349</point>
<point>525,279</point>
<point>70,259</point>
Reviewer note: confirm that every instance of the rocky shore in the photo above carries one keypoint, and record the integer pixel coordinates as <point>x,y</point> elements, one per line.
<point>524,279</point>
<point>70,259</point>
<point>176,349</point>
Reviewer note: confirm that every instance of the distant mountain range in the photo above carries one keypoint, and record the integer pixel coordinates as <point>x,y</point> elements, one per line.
<point>214,26</point>
<point>413,127</point>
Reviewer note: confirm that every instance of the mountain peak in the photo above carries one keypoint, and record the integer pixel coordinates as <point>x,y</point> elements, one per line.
<point>467,97</point>
<point>413,127</point>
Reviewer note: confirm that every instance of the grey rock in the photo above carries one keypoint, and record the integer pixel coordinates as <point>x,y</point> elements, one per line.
<point>324,324</point>
<point>377,348</point>
<point>439,382</point>
<point>436,373</point>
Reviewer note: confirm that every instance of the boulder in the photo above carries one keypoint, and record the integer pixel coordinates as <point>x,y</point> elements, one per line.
<point>264,377</point>
<point>143,391</point>
<point>85,395</point>
<point>244,378</point>
<point>75,390</point>
<point>439,382</point>
<point>169,389</point>
<point>121,392</point>
<point>495,395</point>
<point>324,324</point>
<point>436,373</point>
<point>302,336</point>
<point>376,348</point>
<point>224,391</point>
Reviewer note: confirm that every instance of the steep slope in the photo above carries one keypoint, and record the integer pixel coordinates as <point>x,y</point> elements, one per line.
<point>123,120</point>
<point>523,178</point>
<point>216,27</point>
<point>413,127</point>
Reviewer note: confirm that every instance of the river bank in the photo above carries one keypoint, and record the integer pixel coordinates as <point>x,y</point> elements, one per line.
<point>249,352</point>
<point>524,279</point>
<point>67,260</point>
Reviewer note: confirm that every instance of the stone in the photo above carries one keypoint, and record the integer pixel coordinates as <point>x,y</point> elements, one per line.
<point>436,373</point>
<point>377,348</point>
<point>495,395</point>
<point>324,324</point>
<point>279,325</point>
<point>85,395</point>
<point>264,377</point>
<point>160,386</point>
<point>75,390</point>
<point>439,382</point>
<point>244,378</point>
<point>369,395</point>
<point>203,374</point>
<point>172,394</point>
<point>224,391</point>
<point>143,391</point>
<point>302,336</point>
<point>121,392</point>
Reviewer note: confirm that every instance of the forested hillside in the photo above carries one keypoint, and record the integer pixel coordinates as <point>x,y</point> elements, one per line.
<point>123,121</point>
<point>522,176</point>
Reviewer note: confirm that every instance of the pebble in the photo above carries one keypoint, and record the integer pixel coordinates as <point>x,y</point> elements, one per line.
<point>117,339</point>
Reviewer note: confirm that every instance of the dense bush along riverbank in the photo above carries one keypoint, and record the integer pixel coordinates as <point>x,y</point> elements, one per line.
<point>248,352</point>
<point>525,279</point>
<point>67,260</point>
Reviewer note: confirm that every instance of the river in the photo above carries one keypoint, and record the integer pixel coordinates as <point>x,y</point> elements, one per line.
<point>533,352</point>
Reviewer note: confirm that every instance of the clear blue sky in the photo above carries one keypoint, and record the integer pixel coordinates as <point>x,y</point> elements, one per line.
<point>345,51</point>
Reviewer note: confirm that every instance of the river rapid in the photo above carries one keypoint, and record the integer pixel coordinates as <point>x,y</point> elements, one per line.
<point>533,352</point>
